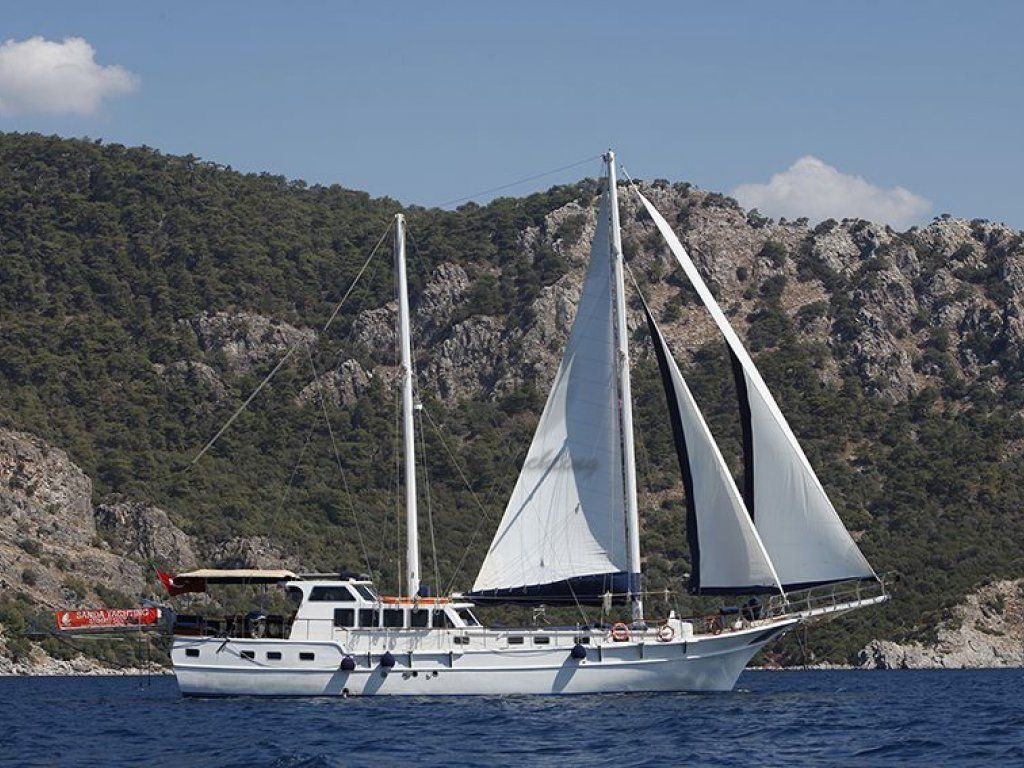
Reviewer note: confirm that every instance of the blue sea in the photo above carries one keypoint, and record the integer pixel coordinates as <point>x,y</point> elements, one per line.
<point>804,718</point>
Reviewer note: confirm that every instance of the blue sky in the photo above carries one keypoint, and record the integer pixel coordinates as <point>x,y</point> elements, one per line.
<point>429,102</point>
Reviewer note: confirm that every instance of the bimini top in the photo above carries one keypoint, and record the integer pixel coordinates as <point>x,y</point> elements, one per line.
<point>237,576</point>
<point>198,581</point>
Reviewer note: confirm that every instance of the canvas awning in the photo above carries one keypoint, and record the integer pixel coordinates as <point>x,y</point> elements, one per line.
<point>198,581</point>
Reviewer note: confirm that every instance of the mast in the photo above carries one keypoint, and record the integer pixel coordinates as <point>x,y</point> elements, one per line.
<point>626,399</point>
<point>412,551</point>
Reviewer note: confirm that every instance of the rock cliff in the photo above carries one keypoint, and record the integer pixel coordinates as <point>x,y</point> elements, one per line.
<point>986,630</point>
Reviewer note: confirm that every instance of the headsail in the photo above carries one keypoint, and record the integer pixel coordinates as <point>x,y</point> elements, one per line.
<point>562,538</point>
<point>800,528</point>
<point>717,523</point>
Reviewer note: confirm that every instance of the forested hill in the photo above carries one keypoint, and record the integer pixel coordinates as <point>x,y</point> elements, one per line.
<point>143,296</point>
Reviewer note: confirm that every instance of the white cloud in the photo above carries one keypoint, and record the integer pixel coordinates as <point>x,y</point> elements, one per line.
<point>818,191</point>
<point>38,75</point>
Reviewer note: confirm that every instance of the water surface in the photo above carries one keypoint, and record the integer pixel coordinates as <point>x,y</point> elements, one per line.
<point>807,718</point>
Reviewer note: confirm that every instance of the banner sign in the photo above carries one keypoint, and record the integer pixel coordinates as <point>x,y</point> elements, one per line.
<point>107,618</point>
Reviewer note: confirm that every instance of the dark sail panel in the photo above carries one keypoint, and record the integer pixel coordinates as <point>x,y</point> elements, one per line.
<point>726,553</point>
<point>580,590</point>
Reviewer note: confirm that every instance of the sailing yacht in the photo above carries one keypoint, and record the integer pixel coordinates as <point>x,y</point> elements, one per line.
<point>570,535</point>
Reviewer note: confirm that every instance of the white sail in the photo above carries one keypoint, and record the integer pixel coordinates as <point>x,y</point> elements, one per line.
<point>800,528</point>
<point>726,552</point>
<point>563,531</point>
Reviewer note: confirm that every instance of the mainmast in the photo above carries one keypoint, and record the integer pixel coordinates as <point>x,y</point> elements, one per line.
<point>412,552</point>
<point>625,399</point>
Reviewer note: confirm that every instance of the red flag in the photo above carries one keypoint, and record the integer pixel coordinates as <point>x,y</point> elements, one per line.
<point>190,585</point>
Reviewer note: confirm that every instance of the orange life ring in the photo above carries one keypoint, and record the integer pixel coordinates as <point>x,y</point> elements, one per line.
<point>620,632</point>
<point>666,633</point>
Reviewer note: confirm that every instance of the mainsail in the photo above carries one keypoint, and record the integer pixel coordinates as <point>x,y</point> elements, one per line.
<point>717,522</point>
<point>804,536</point>
<point>562,538</point>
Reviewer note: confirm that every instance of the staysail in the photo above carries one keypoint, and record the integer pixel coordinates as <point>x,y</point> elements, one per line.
<point>801,530</point>
<point>562,538</point>
<point>717,523</point>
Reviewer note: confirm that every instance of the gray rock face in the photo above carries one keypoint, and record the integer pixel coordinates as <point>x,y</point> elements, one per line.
<point>145,533</point>
<point>244,340</point>
<point>986,630</point>
<point>188,372</point>
<point>50,549</point>
<point>43,494</point>
<point>246,552</point>
<point>440,299</point>
<point>341,387</point>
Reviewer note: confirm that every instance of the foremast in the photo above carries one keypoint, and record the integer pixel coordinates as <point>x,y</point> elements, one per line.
<point>625,400</point>
<point>412,552</point>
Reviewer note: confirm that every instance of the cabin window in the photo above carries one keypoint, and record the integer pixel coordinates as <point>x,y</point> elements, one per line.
<point>419,617</point>
<point>248,654</point>
<point>344,617</point>
<point>367,617</point>
<point>366,592</point>
<point>306,656</point>
<point>468,617</point>
<point>394,617</point>
<point>542,641</point>
<point>294,595</point>
<point>273,655</point>
<point>192,652</point>
<point>442,620</point>
<point>337,594</point>
<point>515,640</point>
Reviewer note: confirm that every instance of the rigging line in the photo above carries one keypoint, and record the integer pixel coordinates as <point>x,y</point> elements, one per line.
<point>518,182</point>
<point>430,511</point>
<point>288,355</point>
<point>494,489</point>
<point>469,487</point>
<point>295,469</point>
<point>337,456</point>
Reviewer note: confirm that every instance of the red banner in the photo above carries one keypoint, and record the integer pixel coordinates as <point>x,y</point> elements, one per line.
<point>107,618</point>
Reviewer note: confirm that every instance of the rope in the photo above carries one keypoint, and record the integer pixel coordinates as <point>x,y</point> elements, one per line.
<point>295,469</point>
<point>337,457</point>
<point>469,487</point>
<point>519,181</point>
<point>288,355</point>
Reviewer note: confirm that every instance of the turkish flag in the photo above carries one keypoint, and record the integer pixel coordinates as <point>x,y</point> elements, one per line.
<point>189,585</point>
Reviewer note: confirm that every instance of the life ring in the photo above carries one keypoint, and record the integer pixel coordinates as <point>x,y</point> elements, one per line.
<point>666,633</point>
<point>620,632</point>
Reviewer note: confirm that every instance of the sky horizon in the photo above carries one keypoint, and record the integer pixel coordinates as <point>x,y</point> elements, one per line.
<point>894,112</point>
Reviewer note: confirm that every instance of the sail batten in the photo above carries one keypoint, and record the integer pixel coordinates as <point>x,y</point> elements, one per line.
<point>800,528</point>
<point>563,530</point>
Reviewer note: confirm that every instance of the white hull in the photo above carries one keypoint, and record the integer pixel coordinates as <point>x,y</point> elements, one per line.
<point>704,663</point>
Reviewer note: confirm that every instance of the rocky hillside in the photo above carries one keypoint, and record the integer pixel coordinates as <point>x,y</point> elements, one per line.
<point>986,630</point>
<point>142,297</point>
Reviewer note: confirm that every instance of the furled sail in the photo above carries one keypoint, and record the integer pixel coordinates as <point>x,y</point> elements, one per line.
<point>800,528</point>
<point>726,554</point>
<point>562,538</point>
